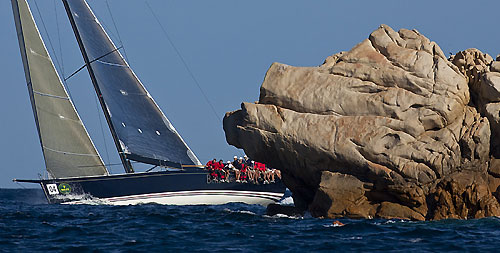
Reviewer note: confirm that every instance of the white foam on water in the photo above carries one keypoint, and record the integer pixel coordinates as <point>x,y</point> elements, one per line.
<point>392,222</point>
<point>280,215</point>
<point>397,221</point>
<point>415,240</point>
<point>238,211</point>
<point>288,201</point>
<point>246,212</point>
<point>71,196</point>
<point>83,199</point>
<point>333,225</point>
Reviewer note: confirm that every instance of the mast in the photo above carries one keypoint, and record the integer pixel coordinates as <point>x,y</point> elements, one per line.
<point>126,163</point>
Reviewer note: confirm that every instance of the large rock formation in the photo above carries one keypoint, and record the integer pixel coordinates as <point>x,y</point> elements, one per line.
<point>386,130</point>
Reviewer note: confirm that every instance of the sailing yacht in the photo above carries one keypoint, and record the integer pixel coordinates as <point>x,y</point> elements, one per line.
<point>141,132</point>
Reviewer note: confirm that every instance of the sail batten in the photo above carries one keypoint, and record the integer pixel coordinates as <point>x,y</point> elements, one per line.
<point>141,130</point>
<point>59,125</point>
<point>68,153</point>
<point>50,95</point>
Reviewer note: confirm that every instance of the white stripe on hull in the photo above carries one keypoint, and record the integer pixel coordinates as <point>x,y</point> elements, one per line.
<point>206,197</point>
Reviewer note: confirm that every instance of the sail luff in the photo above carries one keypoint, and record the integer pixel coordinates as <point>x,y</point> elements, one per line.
<point>22,48</point>
<point>67,148</point>
<point>126,164</point>
<point>143,131</point>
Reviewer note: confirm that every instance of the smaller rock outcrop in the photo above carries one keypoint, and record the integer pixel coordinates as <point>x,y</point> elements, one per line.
<point>483,76</point>
<point>464,195</point>
<point>340,194</point>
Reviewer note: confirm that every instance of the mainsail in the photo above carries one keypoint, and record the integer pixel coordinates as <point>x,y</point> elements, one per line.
<point>140,129</point>
<point>67,148</point>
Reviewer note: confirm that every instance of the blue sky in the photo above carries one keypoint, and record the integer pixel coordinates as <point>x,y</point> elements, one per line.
<point>228,46</point>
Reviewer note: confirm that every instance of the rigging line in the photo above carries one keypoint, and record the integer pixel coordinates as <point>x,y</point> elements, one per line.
<point>186,66</point>
<point>151,168</point>
<point>94,60</point>
<point>22,186</point>
<point>59,38</point>
<point>104,24</point>
<point>48,36</point>
<point>102,132</point>
<point>61,53</point>
<point>117,33</point>
<point>183,62</point>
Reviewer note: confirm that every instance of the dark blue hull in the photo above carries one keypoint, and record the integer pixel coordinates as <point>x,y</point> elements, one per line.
<point>183,187</point>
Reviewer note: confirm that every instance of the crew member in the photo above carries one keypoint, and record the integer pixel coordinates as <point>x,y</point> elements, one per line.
<point>243,171</point>
<point>220,171</point>
<point>261,171</point>
<point>228,168</point>
<point>210,166</point>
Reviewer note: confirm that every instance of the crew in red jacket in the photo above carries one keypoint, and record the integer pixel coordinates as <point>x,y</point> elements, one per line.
<point>211,167</point>
<point>243,171</point>
<point>260,166</point>
<point>220,170</point>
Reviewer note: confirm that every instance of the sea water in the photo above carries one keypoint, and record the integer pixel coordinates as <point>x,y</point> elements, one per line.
<point>28,224</point>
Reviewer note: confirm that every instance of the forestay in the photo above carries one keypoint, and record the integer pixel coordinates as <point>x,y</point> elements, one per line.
<point>142,130</point>
<point>67,148</point>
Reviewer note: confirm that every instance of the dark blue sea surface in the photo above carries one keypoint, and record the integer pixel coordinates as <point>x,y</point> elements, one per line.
<point>28,224</point>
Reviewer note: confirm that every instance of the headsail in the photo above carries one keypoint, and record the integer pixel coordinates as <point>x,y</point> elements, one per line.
<point>141,130</point>
<point>66,145</point>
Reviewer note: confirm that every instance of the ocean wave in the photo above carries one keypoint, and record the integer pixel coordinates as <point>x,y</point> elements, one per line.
<point>94,226</point>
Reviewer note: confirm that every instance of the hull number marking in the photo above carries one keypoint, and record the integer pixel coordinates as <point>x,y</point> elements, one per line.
<point>52,189</point>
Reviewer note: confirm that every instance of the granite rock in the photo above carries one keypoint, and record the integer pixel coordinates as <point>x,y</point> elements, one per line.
<point>375,131</point>
<point>484,86</point>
